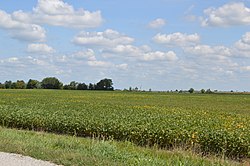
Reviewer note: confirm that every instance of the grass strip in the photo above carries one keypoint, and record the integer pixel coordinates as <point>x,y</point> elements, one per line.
<point>73,151</point>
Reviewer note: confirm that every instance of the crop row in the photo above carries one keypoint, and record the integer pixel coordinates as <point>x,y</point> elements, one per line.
<point>139,120</point>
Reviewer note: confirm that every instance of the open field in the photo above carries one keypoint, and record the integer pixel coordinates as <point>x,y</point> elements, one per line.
<point>217,123</point>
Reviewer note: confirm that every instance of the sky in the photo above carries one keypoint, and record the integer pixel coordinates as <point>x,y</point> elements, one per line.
<point>153,44</point>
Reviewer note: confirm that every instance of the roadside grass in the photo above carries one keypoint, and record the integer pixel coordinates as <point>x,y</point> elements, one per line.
<point>75,151</point>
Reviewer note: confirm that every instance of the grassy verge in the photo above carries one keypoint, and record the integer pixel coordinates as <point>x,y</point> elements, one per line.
<point>68,150</point>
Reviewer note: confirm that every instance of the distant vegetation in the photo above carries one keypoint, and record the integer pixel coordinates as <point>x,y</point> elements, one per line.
<point>54,83</point>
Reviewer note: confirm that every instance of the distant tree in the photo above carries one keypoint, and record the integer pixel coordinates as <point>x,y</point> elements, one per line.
<point>20,84</point>
<point>13,85</point>
<point>203,91</point>
<point>150,90</point>
<point>180,91</point>
<point>32,84</point>
<point>104,84</point>
<point>66,87</point>
<point>7,84</point>
<point>73,85</point>
<point>82,86</point>
<point>91,86</point>
<point>209,91</point>
<point>130,88</point>
<point>136,89</point>
<point>2,86</point>
<point>191,90</point>
<point>51,83</point>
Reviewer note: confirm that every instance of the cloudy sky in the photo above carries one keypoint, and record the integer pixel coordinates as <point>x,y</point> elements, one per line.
<point>157,44</point>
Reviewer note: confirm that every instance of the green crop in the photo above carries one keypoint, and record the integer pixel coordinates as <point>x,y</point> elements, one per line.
<point>214,123</point>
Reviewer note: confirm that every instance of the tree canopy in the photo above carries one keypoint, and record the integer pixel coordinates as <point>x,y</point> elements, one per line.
<point>51,83</point>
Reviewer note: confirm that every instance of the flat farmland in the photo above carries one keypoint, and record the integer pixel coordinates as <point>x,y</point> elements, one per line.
<point>208,123</point>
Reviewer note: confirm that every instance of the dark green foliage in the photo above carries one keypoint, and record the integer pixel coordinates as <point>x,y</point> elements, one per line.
<point>209,91</point>
<point>66,87</point>
<point>191,90</point>
<point>73,85</point>
<point>2,86</point>
<point>20,84</point>
<point>91,86</point>
<point>7,84</point>
<point>104,84</point>
<point>13,85</point>
<point>51,83</point>
<point>32,84</point>
<point>82,86</point>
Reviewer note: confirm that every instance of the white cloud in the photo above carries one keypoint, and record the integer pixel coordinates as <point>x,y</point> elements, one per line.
<point>59,13</point>
<point>102,64</point>
<point>246,68</point>
<point>12,59</point>
<point>88,54</point>
<point>157,23</point>
<point>227,15</point>
<point>177,39</point>
<point>123,66</point>
<point>39,48</point>
<point>108,38</point>
<point>143,53</point>
<point>242,47</point>
<point>158,55</point>
<point>217,52</point>
<point>21,31</point>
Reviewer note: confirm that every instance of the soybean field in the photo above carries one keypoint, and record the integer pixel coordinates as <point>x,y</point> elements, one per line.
<point>209,123</point>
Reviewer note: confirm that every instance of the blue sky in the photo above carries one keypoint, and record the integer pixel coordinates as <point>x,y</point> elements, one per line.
<point>162,45</point>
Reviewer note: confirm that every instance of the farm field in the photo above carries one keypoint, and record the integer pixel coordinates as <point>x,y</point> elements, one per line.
<point>210,124</point>
<point>77,151</point>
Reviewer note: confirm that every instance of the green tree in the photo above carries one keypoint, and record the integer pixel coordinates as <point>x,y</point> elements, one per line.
<point>32,84</point>
<point>191,90</point>
<point>66,87</point>
<point>104,84</point>
<point>91,86</point>
<point>7,84</point>
<point>13,85</point>
<point>203,91</point>
<point>209,91</point>
<point>73,85</point>
<point>82,86</point>
<point>51,83</point>
<point>20,84</point>
<point>2,86</point>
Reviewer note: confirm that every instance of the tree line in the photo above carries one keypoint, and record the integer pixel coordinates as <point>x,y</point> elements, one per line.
<point>54,83</point>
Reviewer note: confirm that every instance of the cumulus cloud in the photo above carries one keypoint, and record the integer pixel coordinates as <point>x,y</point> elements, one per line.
<point>158,55</point>
<point>143,53</point>
<point>39,48</point>
<point>59,13</point>
<point>245,68</point>
<point>108,38</point>
<point>21,31</point>
<point>217,52</point>
<point>157,23</point>
<point>89,54</point>
<point>242,47</point>
<point>177,39</point>
<point>227,15</point>
<point>96,63</point>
